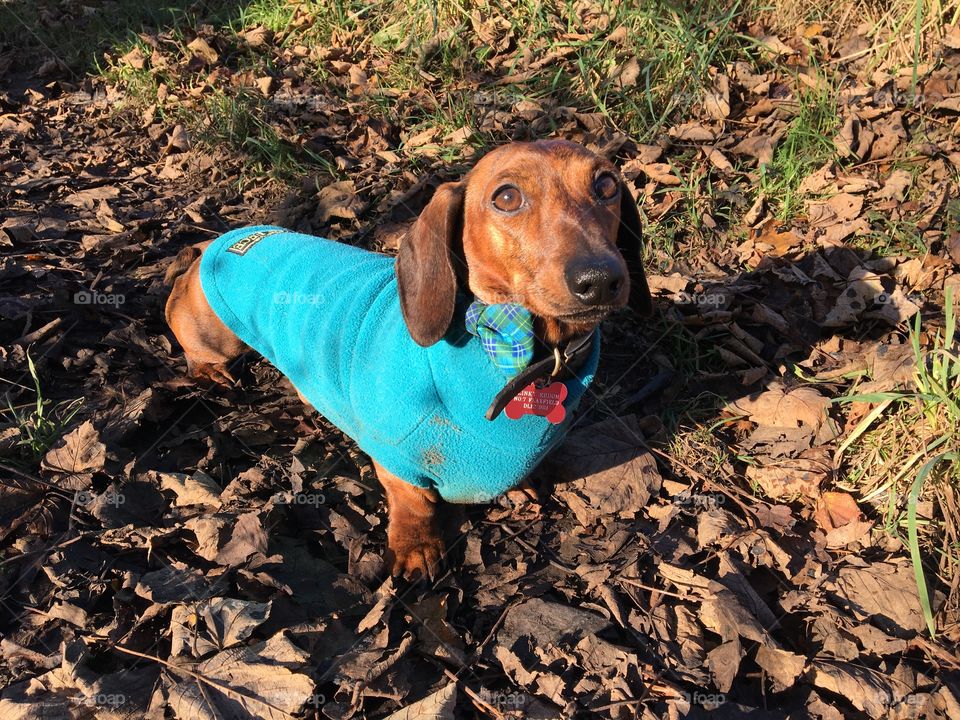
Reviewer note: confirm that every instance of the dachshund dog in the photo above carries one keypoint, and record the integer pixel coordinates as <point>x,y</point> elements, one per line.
<point>457,365</point>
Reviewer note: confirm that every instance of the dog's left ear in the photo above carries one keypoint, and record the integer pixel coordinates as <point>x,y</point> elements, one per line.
<point>630,243</point>
<point>426,277</point>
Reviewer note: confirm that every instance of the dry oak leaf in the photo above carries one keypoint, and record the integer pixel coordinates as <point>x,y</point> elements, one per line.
<point>839,208</point>
<point>854,139</point>
<point>667,284</point>
<point>196,489</point>
<point>951,37</point>
<point>359,81</point>
<point>179,141</point>
<point>774,46</point>
<point>850,533</point>
<point>780,243</point>
<point>788,478</point>
<point>717,101</point>
<point>693,132</point>
<point>840,518</point>
<point>248,538</point>
<point>726,615</point>
<point>258,36</point>
<point>90,197</point>
<point>134,59</point>
<point>177,584</point>
<point>605,470</point>
<point>625,76</point>
<point>896,186</point>
<point>868,691</point>
<point>782,665</point>
<point>718,160</point>
<point>660,173</point>
<point>777,406</point>
<point>760,147</point>
<point>258,682</point>
<point>230,621</point>
<point>949,104</point>
<point>836,509</point>
<point>207,530</point>
<point>337,199</point>
<point>201,48</point>
<point>79,451</point>
<point>547,627</point>
<point>866,297</point>
<point>724,663</point>
<point>890,133</point>
<point>883,592</point>
<point>438,706</point>
<point>818,181</point>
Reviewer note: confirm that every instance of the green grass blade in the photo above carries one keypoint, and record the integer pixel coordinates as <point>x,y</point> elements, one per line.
<point>914,541</point>
<point>876,397</point>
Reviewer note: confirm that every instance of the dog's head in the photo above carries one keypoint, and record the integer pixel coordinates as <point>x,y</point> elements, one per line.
<point>548,225</point>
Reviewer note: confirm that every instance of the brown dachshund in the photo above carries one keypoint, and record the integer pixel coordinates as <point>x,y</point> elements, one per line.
<point>548,226</point>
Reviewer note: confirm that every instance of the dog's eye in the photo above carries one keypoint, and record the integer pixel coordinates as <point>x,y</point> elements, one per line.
<point>507,199</point>
<point>606,186</point>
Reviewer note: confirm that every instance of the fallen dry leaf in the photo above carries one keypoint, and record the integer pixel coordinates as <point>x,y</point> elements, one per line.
<point>661,173</point>
<point>801,407</point>
<point>438,706</point>
<point>717,100</point>
<point>792,477</point>
<point>839,208</point>
<point>338,200</point>
<point>201,49</point>
<point>196,489</point>
<point>836,509</point>
<point>782,665</point>
<point>760,147</point>
<point>252,682</point>
<point>869,691</point>
<point>605,469</point>
<point>79,451</point>
<point>179,140</point>
<point>883,593</point>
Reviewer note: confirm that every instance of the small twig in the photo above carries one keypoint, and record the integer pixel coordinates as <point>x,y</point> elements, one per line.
<point>496,626</point>
<point>658,383</point>
<point>56,546</point>
<point>484,705</point>
<point>556,563</point>
<point>39,333</point>
<point>650,588</point>
<point>671,693</point>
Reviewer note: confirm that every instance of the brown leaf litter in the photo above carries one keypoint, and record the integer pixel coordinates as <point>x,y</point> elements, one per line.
<point>180,551</point>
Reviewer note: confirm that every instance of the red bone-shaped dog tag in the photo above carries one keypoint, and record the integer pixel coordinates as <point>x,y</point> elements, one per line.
<point>546,401</point>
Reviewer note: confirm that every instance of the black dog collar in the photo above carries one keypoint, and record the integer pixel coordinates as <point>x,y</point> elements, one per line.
<point>559,365</point>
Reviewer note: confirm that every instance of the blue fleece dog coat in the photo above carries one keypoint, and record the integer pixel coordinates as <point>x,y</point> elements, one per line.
<point>328,316</point>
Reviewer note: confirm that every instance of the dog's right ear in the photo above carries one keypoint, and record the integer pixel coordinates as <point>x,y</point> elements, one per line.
<point>629,241</point>
<point>426,277</point>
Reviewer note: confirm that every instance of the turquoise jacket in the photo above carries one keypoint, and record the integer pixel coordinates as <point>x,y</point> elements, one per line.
<point>327,315</point>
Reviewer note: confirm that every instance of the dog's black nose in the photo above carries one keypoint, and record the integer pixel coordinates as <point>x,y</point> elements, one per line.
<point>595,282</point>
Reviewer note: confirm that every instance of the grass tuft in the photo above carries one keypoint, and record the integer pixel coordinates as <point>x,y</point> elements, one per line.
<point>915,433</point>
<point>806,145</point>
<point>41,422</point>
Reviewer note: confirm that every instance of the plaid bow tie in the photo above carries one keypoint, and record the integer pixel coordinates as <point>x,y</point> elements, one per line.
<point>506,331</point>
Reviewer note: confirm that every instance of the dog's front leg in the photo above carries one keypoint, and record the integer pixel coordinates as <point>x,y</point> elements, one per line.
<point>414,544</point>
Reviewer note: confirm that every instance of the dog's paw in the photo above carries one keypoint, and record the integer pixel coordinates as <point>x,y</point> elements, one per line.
<point>414,556</point>
<point>215,372</point>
